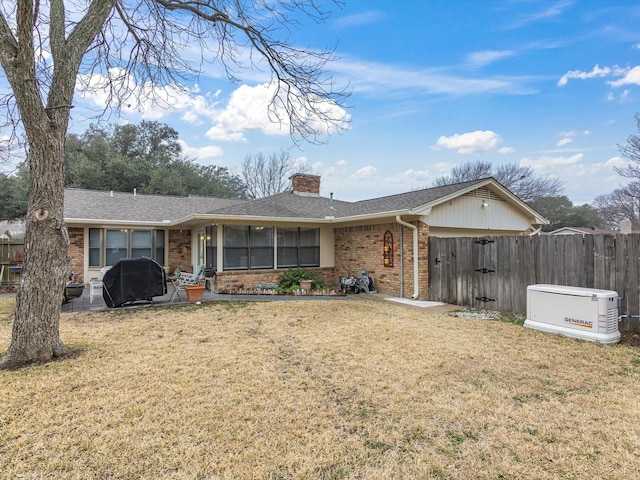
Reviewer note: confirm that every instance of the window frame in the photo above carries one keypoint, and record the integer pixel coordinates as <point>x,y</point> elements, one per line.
<point>252,242</point>
<point>301,248</point>
<point>156,249</point>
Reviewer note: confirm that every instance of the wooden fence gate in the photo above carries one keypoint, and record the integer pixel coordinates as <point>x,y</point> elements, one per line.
<point>494,272</point>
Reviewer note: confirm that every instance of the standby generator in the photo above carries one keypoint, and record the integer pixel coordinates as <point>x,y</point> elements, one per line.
<point>585,313</point>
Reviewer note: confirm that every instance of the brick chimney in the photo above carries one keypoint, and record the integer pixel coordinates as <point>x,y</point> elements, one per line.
<point>304,183</point>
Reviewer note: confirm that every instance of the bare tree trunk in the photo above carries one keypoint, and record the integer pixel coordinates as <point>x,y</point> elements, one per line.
<point>46,264</point>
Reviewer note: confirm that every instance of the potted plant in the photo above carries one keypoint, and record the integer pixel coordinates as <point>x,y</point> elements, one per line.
<point>306,285</point>
<point>195,293</point>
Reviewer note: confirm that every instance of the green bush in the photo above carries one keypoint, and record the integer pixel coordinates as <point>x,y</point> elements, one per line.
<point>290,280</point>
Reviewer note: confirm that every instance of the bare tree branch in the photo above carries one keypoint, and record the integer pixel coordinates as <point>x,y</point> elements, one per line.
<point>520,180</point>
<point>44,53</point>
<point>267,176</point>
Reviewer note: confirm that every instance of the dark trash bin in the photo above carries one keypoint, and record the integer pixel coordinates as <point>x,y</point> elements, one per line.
<point>133,279</point>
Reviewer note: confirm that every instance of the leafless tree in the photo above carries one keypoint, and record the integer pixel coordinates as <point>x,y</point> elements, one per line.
<point>267,176</point>
<point>464,173</point>
<point>620,205</point>
<point>631,150</point>
<point>113,46</point>
<point>624,202</point>
<point>518,179</point>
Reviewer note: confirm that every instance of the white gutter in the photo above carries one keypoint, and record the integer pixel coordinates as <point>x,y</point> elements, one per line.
<point>416,286</point>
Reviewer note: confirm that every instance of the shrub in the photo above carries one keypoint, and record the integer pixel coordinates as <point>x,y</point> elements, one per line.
<point>290,280</point>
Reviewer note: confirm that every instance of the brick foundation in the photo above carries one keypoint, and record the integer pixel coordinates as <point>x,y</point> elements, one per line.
<point>238,279</point>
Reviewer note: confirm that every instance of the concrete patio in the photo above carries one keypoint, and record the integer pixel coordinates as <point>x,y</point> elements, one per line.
<point>84,304</point>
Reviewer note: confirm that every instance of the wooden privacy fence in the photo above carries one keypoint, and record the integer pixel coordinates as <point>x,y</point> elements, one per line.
<point>494,272</point>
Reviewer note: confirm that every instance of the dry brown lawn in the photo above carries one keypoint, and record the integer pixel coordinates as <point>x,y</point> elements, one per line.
<point>355,389</point>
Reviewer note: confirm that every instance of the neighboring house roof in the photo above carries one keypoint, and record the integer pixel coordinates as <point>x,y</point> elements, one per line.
<point>12,230</point>
<point>583,231</point>
<point>93,206</point>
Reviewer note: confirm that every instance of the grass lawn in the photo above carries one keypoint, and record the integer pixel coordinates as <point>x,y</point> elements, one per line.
<point>318,390</point>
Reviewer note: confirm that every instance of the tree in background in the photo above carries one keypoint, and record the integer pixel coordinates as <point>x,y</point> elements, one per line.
<point>631,151</point>
<point>117,45</point>
<point>561,212</point>
<point>623,204</point>
<point>620,205</point>
<point>147,157</point>
<point>267,176</point>
<point>14,194</point>
<point>519,180</point>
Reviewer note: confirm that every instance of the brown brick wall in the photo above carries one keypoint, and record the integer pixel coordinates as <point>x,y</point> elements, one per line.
<point>76,249</point>
<point>179,250</point>
<point>362,246</point>
<point>231,280</point>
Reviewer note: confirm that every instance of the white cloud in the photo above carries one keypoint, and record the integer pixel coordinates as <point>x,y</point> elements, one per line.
<point>412,176</point>
<point>505,150</point>
<point>383,78</point>
<point>550,11</point>
<point>616,162</point>
<point>631,77</point>
<point>471,143</point>
<point>341,163</point>
<point>249,109</point>
<point>486,57</point>
<point>550,166</point>
<point>368,17</point>
<point>624,96</point>
<point>596,72</point>
<point>201,154</point>
<point>364,172</point>
<point>569,135</point>
<point>220,134</point>
<point>149,101</point>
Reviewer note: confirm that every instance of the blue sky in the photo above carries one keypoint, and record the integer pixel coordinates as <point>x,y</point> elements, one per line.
<point>552,85</point>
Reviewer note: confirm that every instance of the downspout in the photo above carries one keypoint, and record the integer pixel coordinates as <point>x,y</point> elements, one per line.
<point>535,232</point>
<point>401,262</point>
<point>416,286</point>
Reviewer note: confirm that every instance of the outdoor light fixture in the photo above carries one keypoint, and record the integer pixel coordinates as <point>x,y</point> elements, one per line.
<point>484,204</point>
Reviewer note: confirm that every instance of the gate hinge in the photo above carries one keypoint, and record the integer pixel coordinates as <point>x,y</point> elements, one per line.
<point>484,241</point>
<point>486,299</point>
<point>484,270</point>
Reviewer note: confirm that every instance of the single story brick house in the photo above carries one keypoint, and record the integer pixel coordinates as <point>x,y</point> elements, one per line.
<point>253,241</point>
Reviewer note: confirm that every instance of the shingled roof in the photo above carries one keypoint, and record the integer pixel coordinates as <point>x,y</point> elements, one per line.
<point>107,206</point>
<point>294,205</point>
<point>91,205</point>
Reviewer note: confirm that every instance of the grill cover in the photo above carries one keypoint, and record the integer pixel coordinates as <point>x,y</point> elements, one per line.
<point>133,279</point>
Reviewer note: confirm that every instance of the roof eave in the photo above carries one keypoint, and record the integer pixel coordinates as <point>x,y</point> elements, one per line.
<point>94,221</point>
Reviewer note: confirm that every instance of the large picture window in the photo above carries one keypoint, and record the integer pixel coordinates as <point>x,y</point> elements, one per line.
<point>298,247</point>
<point>108,246</point>
<point>247,247</point>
